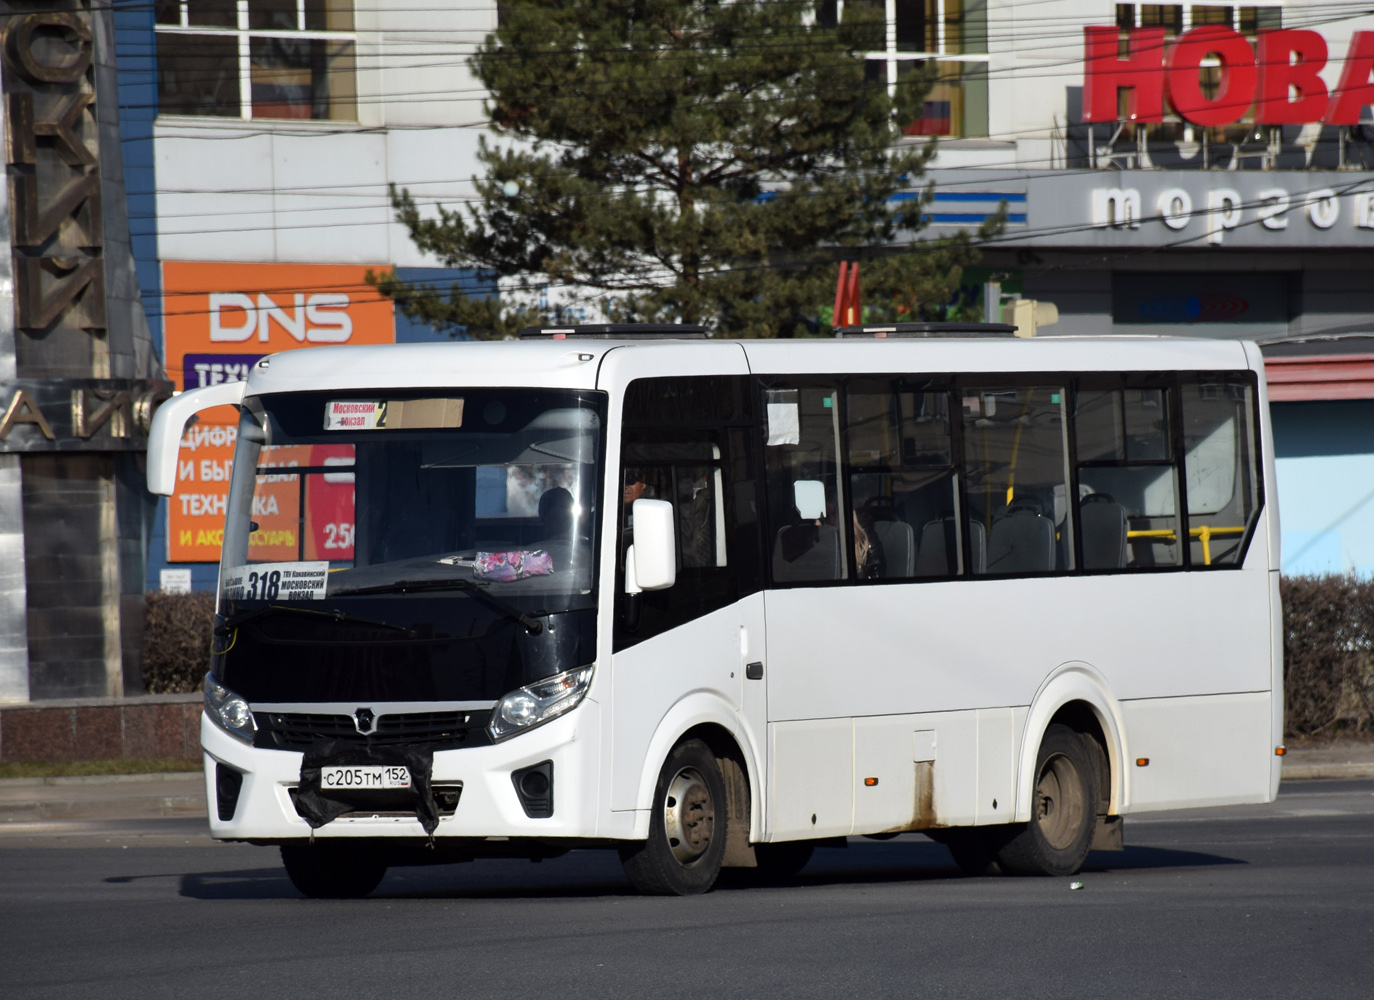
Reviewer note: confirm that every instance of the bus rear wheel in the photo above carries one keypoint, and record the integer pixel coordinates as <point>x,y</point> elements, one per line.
<point>326,871</point>
<point>687,827</point>
<point>1064,802</point>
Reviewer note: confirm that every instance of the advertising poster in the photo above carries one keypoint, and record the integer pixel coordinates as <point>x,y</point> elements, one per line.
<point>219,320</point>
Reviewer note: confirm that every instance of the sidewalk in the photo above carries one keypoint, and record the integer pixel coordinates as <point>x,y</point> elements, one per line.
<point>116,796</point>
<point>162,796</point>
<point>1344,760</point>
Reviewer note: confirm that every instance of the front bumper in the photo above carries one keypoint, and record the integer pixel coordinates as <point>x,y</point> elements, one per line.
<point>488,806</point>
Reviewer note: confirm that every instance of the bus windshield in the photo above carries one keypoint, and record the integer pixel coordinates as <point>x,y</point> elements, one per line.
<point>489,491</point>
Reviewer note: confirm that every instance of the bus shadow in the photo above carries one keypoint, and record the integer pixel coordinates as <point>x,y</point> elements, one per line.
<point>584,875</point>
<point>1141,858</point>
<point>584,878</point>
<point>925,861</point>
<point>243,883</point>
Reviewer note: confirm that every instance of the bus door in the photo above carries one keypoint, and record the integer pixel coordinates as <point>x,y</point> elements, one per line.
<point>686,437</point>
<point>862,502</point>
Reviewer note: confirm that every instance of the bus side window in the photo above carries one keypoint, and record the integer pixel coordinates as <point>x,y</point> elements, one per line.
<point>1127,479</point>
<point>1017,464</point>
<point>1220,465</point>
<point>902,482</point>
<point>801,447</point>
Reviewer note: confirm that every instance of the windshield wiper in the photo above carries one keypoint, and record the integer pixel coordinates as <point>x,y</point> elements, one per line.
<point>532,624</point>
<point>334,615</point>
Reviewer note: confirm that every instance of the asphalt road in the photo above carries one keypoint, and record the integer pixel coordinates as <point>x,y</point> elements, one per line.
<point>1265,901</point>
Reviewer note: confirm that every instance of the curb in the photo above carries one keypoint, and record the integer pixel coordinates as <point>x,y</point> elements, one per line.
<point>136,807</point>
<point>1349,769</point>
<point>103,797</point>
<point>98,779</point>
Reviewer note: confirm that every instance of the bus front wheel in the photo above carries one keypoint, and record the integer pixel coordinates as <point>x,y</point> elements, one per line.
<point>1063,810</point>
<point>326,871</point>
<point>687,827</point>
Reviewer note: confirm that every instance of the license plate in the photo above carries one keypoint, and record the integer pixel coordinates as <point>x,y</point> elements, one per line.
<point>334,778</point>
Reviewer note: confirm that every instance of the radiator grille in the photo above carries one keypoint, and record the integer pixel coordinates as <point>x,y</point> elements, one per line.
<point>435,730</point>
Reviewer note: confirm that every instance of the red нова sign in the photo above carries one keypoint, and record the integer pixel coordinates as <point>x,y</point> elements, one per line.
<point>1279,76</point>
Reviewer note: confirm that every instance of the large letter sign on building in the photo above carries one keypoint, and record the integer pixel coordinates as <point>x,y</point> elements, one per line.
<point>1237,90</point>
<point>1290,62</point>
<point>1355,90</point>
<point>1282,83</point>
<point>1140,74</point>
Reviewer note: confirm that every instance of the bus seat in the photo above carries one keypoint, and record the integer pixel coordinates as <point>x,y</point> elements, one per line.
<point>807,552</point>
<point>938,542</point>
<point>1022,541</point>
<point>899,547</point>
<point>1104,532</point>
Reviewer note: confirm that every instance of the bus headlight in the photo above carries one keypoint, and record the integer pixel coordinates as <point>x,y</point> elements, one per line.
<point>539,702</point>
<point>228,710</point>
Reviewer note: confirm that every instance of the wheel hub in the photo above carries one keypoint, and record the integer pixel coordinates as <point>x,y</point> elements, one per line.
<point>689,816</point>
<point>1059,802</point>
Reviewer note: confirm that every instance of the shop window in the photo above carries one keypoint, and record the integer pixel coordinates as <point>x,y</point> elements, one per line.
<point>1166,16</point>
<point>917,25</point>
<point>919,30</point>
<point>257,59</point>
<point>1211,15</point>
<point>1247,20</point>
<point>957,104</point>
<point>1252,20</point>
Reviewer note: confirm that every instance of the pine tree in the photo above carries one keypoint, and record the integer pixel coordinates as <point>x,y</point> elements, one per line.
<point>688,161</point>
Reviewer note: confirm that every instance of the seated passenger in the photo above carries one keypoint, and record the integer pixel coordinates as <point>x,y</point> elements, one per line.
<point>556,513</point>
<point>868,548</point>
<point>558,520</point>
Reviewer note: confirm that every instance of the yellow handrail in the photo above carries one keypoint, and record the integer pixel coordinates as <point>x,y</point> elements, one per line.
<point>1204,534</point>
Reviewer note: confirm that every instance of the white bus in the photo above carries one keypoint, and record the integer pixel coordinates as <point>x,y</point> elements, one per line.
<point>715,603</point>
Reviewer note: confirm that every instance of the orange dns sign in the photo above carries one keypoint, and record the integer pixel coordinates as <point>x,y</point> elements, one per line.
<point>219,319</point>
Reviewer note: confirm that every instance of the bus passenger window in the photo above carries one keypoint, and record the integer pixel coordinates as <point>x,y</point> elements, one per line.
<point>802,437</point>
<point>1016,461</point>
<point>1220,466</point>
<point>902,482</point>
<point>1127,481</point>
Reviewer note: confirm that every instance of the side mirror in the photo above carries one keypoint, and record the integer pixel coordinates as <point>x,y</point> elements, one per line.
<point>651,562</point>
<point>169,423</point>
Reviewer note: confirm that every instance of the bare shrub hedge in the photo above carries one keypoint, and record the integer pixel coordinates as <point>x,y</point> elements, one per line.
<point>1328,654</point>
<point>176,641</point>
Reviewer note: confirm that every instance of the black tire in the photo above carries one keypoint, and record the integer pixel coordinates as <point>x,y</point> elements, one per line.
<point>1063,810</point>
<point>688,827</point>
<point>781,862</point>
<point>328,871</point>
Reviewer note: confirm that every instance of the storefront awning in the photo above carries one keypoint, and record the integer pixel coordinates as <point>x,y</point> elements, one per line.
<point>1323,377</point>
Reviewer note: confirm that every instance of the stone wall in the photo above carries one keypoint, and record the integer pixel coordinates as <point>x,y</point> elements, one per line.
<point>163,726</point>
